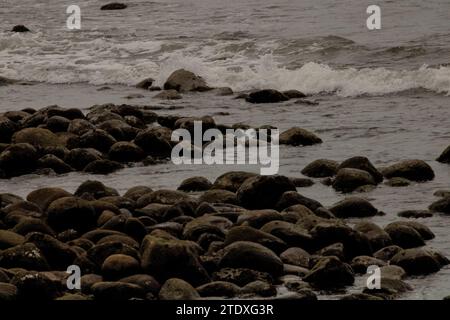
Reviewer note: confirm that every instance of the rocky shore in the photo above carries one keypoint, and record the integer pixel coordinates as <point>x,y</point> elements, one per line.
<point>241,236</point>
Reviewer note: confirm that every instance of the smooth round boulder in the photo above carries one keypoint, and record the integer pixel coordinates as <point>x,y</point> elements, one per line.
<point>232,180</point>
<point>43,197</point>
<point>10,239</point>
<point>177,289</point>
<point>362,163</point>
<point>183,81</point>
<point>414,170</point>
<point>195,184</point>
<point>103,167</point>
<point>79,158</point>
<point>416,261</point>
<point>53,162</point>
<point>18,159</point>
<point>353,207</point>
<point>348,179</point>
<point>330,272</point>
<point>71,213</point>
<point>7,129</point>
<point>37,137</point>
<point>117,291</point>
<point>126,152</point>
<point>321,168</point>
<point>299,137</point>
<point>26,256</point>
<point>117,266</point>
<point>404,236</point>
<point>266,96</point>
<point>58,124</point>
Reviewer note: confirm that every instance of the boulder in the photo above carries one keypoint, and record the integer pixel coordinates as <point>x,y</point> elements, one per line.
<point>71,213</point>
<point>79,158</point>
<point>232,180</point>
<point>96,139</point>
<point>330,272</point>
<point>296,256</point>
<point>414,170</point>
<point>244,254</point>
<point>398,182</point>
<point>10,239</point>
<point>45,196</point>
<point>249,234</point>
<point>416,214</point>
<point>80,127</point>
<point>219,196</point>
<point>353,207</point>
<point>177,289</point>
<point>183,81</point>
<point>348,179</point>
<point>145,83</point>
<point>293,198</point>
<point>37,137</point>
<point>114,6</point>
<point>294,94</point>
<point>445,156</point>
<point>117,266</point>
<point>35,286</point>
<point>168,95</point>
<point>404,236</point>
<point>145,281</point>
<point>258,218</point>
<point>20,29</point>
<point>416,261</point>
<point>26,256</point>
<point>362,163</point>
<point>387,253</point>
<point>18,159</point>
<point>53,162</point>
<point>96,189</point>
<point>117,291</point>
<point>266,96</point>
<point>292,234</point>
<point>361,263</point>
<point>126,152</point>
<point>263,192</point>
<point>195,184</point>
<point>321,168</point>
<point>103,167</point>
<point>441,205</point>
<point>58,124</point>
<point>7,129</point>
<point>378,238</point>
<point>299,137</point>
<point>219,289</point>
<point>153,143</point>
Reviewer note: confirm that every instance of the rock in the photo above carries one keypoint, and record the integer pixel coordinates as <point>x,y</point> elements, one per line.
<point>389,288</point>
<point>361,263</point>
<point>259,288</point>
<point>119,129</point>
<point>7,129</point>
<point>80,127</point>
<point>195,184</point>
<point>416,214</point>
<point>26,256</point>
<point>35,286</point>
<point>378,238</point>
<point>18,159</point>
<point>263,192</point>
<point>145,84</point>
<point>296,256</point>
<point>353,207</point>
<point>398,182</point>
<point>168,95</point>
<point>73,297</point>
<point>37,137</point>
<point>294,94</point>
<point>169,197</point>
<point>348,179</point>
<point>392,272</point>
<point>330,272</point>
<point>126,152</point>
<point>96,139</point>
<point>404,236</point>
<point>232,180</point>
<point>10,239</point>
<point>58,124</point>
<point>241,276</point>
<point>360,297</point>
<point>8,292</point>
<point>244,254</point>
<point>293,198</point>
<point>387,253</point>
<point>20,29</point>
<point>114,6</point>
<point>445,156</point>
<point>422,229</point>
<point>101,251</point>
<point>136,192</point>
<point>302,182</point>
<point>416,261</point>
<point>161,258</point>
<point>266,96</point>
<point>145,281</point>
<point>321,168</point>
<point>206,224</point>
<point>291,234</point>
<point>249,234</point>
<point>219,196</point>
<point>53,162</point>
<point>414,170</point>
<point>219,289</point>
<point>441,205</point>
<point>45,196</point>
<point>177,289</point>
<point>153,143</point>
<point>79,158</point>
<point>258,218</point>
<point>71,213</point>
<point>223,91</point>
<point>362,163</point>
<point>183,81</point>
<point>116,291</point>
<point>117,266</point>
<point>95,188</point>
<point>336,250</point>
<point>103,167</point>
<point>299,137</point>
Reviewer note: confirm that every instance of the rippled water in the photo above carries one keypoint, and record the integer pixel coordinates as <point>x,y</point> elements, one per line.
<point>381,94</point>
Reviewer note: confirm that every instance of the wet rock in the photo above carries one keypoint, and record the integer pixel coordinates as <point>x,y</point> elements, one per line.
<point>404,236</point>
<point>160,257</point>
<point>58,124</point>
<point>378,238</point>
<point>177,289</point>
<point>219,289</point>
<point>294,94</point>
<point>20,29</point>
<point>145,84</point>
<point>445,156</point>
<point>387,253</point>
<point>73,297</point>
<point>392,272</point>
<point>80,127</point>
<point>168,95</point>
<point>330,272</point>
<point>361,263</point>
<point>54,163</point>
<point>195,184</point>
<point>292,198</point>
<point>353,207</point>
<point>8,292</point>
<point>26,256</point>
<point>114,6</point>
<point>183,81</point>
<point>35,286</point>
<point>18,159</point>
<point>103,167</point>
<point>37,137</point>
<point>45,196</point>
<point>243,254</point>
<point>441,205</point>
<point>7,129</point>
<point>398,182</point>
<point>206,224</point>
<point>241,276</point>
<point>71,213</point>
<point>27,225</point>
<point>232,180</point>
<point>416,214</point>
<point>414,170</point>
<point>10,239</point>
<point>302,182</point>
<point>416,261</point>
<point>169,197</point>
<point>336,250</point>
<point>291,234</point>
<point>249,234</point>
<point>126,152</point>
<point>422,229</point>
<point>135,193</point>
<point>362,163</point>
<point>116,291</point>
<point>263,192</point>
<point>259,288</point>
<point>258,218</point>
<point>360,296</point>
<point>299,137</point>
<point>153,143</point>
<point>117,266</point>
<point>96,139</point>
<point>219,196</point>
<point>223,91</point>
<point>348,179</point>
<point>389,288</point>
<point>79,158</point>
<point>296,256</point>
<point>95,188</point>
<point>266,96</point>
<point>145,281</point>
